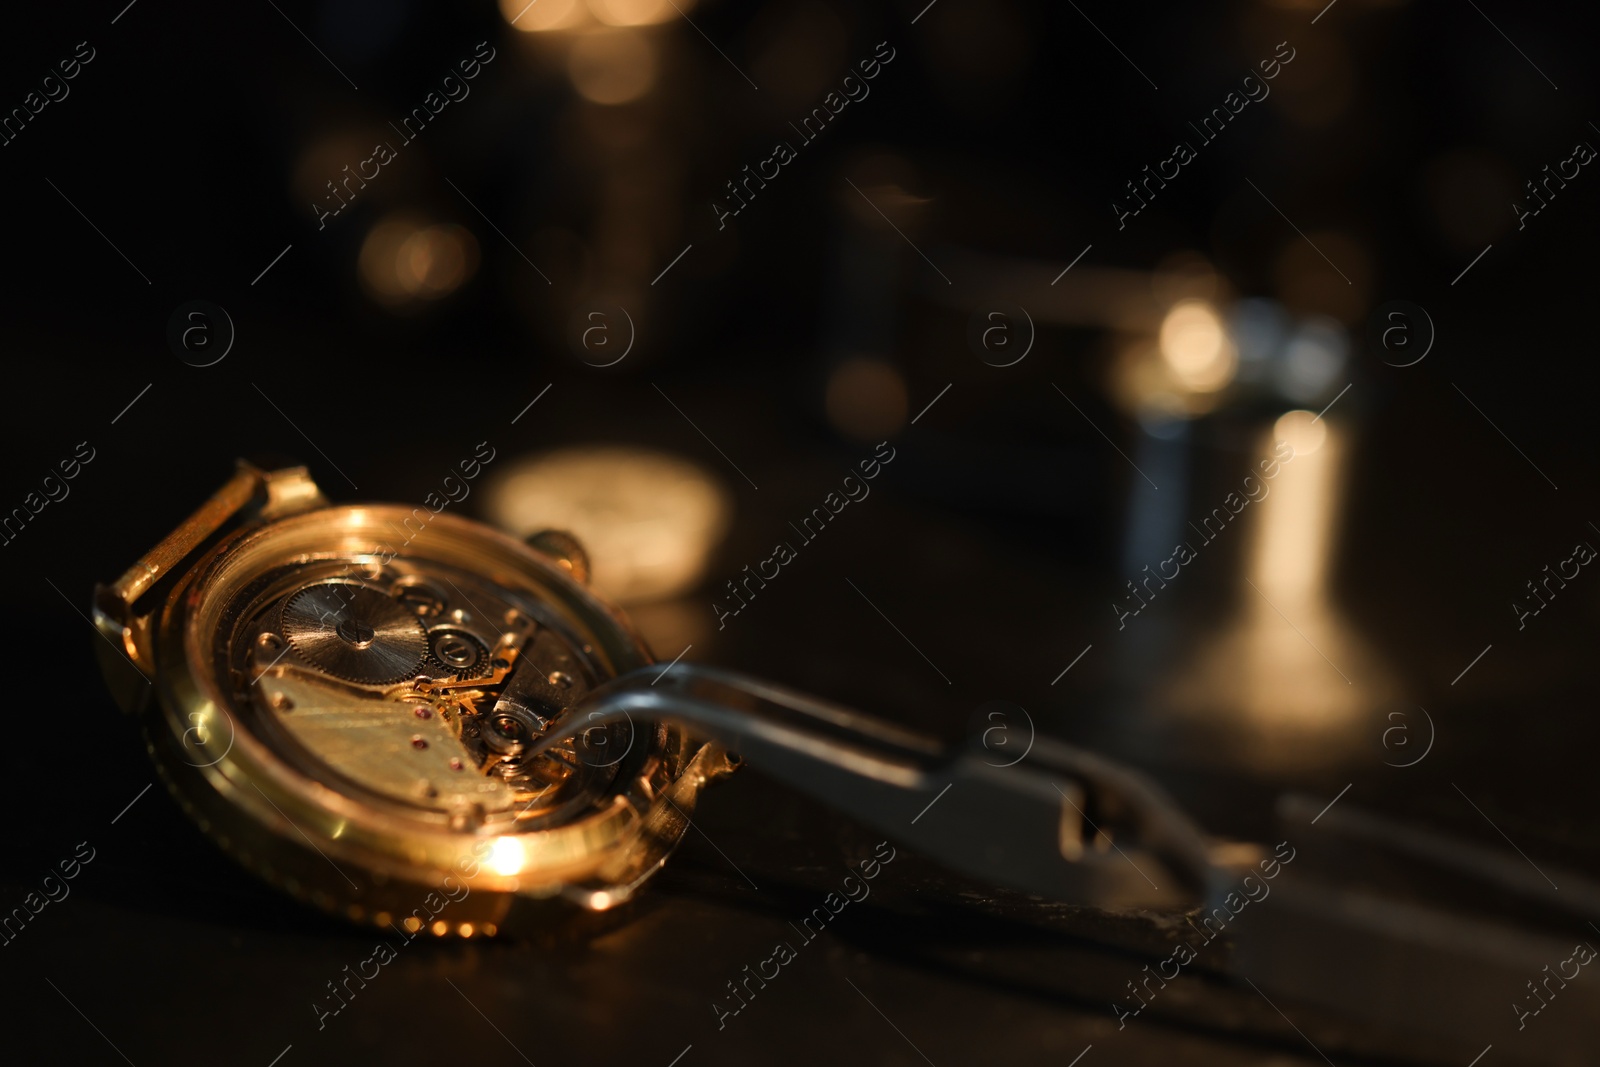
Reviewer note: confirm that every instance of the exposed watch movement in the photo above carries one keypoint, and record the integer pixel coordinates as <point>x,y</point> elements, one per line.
<point>350,709</point>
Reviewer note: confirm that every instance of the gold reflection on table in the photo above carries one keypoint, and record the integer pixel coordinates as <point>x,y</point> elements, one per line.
<point>1290,557</point>
<point>1286,680</point>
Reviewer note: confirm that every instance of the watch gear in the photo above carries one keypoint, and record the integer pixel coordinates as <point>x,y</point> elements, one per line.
<point>456,652</point>
<point>354,633</point>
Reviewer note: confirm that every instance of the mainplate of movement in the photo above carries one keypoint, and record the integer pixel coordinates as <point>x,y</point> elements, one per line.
<point>419,687</point>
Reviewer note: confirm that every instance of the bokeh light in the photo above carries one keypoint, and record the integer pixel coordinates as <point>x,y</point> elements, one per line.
<point>405,261</point>
<point>649,521</point>
<point>1196,347</point>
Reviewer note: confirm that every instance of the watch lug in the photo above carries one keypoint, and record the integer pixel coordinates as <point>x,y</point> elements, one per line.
<point>286,490</point>
<point>127,657</point>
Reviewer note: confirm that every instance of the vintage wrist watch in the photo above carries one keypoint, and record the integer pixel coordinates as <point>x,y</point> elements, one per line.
<point>438,726</point>
<point>347,701</point>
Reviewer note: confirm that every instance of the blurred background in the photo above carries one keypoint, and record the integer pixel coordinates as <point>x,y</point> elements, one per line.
<point>585,247</point>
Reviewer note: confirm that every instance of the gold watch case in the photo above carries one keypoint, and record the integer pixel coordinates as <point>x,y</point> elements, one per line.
<point>319,701</point>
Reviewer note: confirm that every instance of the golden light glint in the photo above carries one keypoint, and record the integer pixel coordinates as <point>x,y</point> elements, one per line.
<point>506,856</point>
<point>648,521</point>
<point>1196,347</point>
<point>612,66</point>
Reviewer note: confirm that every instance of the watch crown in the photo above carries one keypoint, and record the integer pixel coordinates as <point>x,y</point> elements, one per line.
<point>565,549</point>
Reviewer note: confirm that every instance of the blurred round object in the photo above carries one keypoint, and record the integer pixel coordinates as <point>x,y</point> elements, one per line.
<point>1302,431</point>
<point>1196,347</point>
<point>1468,193</point>
<point>636,12</point>
<point>405,261</point>
<point>649,521</point>
<point>612,66</point>
<point>532,16</point>
<point>1313,360</point>
<point>866,399</point>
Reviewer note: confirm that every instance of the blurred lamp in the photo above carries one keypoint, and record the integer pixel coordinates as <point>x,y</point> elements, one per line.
<point>649,521</point>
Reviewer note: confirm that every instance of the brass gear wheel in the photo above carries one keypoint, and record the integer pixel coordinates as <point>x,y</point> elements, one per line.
<point>355,633</point>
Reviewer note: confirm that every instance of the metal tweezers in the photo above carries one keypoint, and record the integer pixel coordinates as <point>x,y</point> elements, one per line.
<point>1430,948</point>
